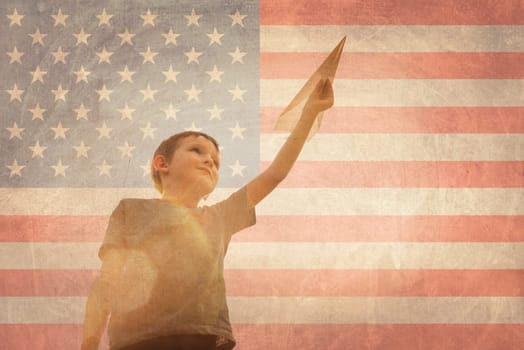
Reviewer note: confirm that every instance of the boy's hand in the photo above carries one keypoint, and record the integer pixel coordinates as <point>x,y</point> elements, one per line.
<point>321,97</point>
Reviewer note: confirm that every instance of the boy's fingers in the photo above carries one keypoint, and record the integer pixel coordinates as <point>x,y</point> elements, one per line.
<point>326,88</point>
<point>320,84</point>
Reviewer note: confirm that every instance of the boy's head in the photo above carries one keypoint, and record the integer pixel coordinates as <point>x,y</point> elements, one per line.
<point>167,149</point>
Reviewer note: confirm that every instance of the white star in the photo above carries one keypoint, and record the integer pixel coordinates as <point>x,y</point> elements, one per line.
<point>59,93</point>
<point>146,168</point>
<point>81,38</point>
<point>105,169</point>
<point>81,112</point>
<point>237,93</point>
<point>126,112</point>
<point>237,169</point>
<point>171,112</point>
<point>238,56</point>
<point>148,131</point>
<point>126,150</point>
<point>104,131</point>
<point>237,132</point>
<point>15,56</point>
<point>215,74</point>
<point>15,131</point>
<point>237,19</point>
<point>126,75</point>
<point>215,112</point>
<point>192,94</point>
<point>59,168</point>
<point>193,127</point>
<point>15,168</point>
<point>15,94</point>
<point>59,131</point>
<point>170,37</point>
<point>104,93</point>
<point>37,37</point>
<point>170,74</point>
<point>126,38</point>
<point>215,37</point>
<point>193,18</point>
<point>81,75</point>
<point>38,113</point>
<point>149,55</point>
<point>15,18</point>
<point>60,55</point>
<point>38,151</point>
<point>38,75</point>
<point>104,18</point>
<point>60,18</point>
<point>81,151</point>
<point>192,56</point>
<point>149,94</point>
<point>148,18</point>
<point>104,56</point>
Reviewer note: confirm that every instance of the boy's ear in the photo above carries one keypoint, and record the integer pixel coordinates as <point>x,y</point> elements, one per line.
<point>160,163</point>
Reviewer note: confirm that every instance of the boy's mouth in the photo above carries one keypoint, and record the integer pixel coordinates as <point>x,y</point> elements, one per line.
<point>207,171</point>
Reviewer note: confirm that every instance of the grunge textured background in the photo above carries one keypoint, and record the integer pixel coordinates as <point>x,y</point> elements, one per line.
<point>401,225</point>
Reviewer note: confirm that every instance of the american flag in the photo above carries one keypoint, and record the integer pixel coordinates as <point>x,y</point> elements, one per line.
<point>400,227</point>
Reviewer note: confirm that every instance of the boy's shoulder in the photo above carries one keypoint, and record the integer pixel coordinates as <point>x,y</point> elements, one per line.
<point>137,202</point>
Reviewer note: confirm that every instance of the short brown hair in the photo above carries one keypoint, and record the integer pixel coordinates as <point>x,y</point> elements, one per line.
<point>168,147</point>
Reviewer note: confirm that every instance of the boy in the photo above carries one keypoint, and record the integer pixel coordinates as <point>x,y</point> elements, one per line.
<point>161,278</point>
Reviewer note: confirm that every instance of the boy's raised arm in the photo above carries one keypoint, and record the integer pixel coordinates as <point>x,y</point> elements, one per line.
<point>320,99</point>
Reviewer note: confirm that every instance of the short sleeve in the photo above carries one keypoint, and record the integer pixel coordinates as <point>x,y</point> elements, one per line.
<point>114,237</point>
<point>236,212</point>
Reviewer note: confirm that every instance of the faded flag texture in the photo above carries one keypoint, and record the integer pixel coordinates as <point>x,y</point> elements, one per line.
<point>400,227</point>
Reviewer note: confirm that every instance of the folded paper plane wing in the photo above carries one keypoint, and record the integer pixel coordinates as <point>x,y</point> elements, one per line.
<point>290,116</point>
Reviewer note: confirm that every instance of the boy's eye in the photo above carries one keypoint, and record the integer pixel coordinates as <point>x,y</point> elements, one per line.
<point>195,149</point>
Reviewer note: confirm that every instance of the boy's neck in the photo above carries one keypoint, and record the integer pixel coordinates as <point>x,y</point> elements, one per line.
<point>183,198</point>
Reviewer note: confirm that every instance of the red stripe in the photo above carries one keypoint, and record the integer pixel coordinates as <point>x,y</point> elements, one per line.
<point>431,65</point>
<point>295,229</point>
<point>404,174</point>
<point>305,337</point>
<point>390,337</point>
<point>350,12</point>
<point>335,283</point>
<point>46,282</point>
<point>342,283</point>
<point>52,228</point>
<point>43,337</point>
<point>411,120</point>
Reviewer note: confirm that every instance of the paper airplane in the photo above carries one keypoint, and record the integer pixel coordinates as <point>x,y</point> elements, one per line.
<point>290,116</point>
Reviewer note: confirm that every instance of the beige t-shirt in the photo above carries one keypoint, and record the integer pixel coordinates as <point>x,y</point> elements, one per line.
<point>171,280</point>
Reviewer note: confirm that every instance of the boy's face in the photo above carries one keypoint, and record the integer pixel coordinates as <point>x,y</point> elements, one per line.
<point>195,164</point>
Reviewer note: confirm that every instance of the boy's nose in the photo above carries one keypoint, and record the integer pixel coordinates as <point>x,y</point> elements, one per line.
<point>208,159</point>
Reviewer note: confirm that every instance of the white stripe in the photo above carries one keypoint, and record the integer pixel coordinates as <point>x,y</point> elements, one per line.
<point>391,38</point>
<point>339,255</point>
<point>401,147</point>
<point>366,255</point>
<point>302,310</point>
<point>76,201</point>
<point>404,92</point>
<point>290,201</point>
<point>391,310</point>
<point>395,201</point>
